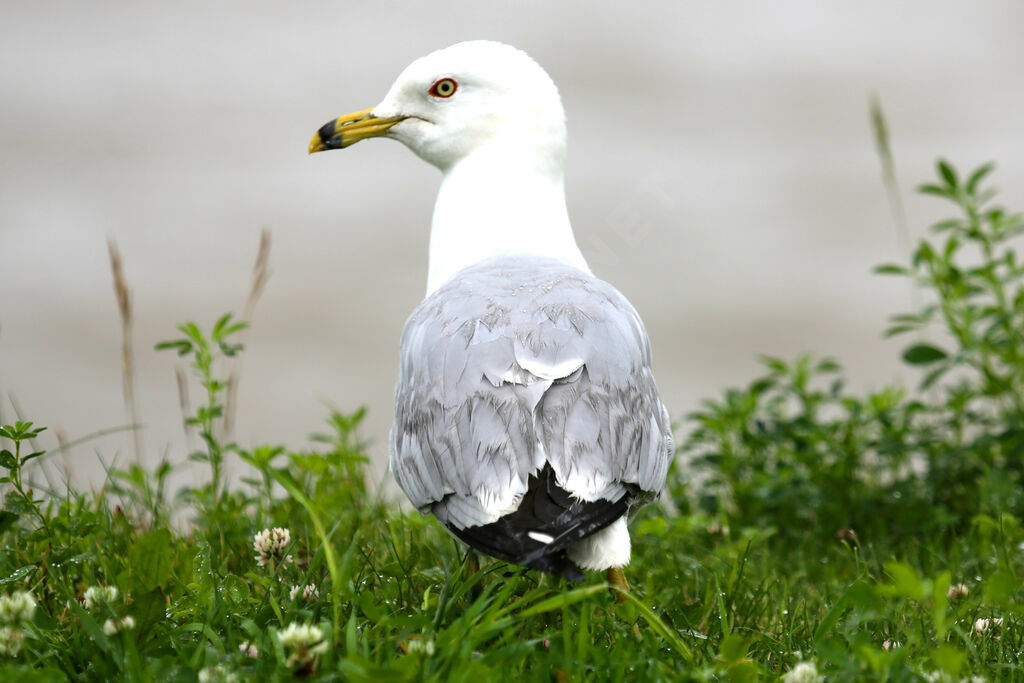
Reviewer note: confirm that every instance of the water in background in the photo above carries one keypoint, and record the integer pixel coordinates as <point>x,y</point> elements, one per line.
<point>721,174</point>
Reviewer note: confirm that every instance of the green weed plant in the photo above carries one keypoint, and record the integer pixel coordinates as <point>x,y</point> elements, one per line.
<point>856,537</point>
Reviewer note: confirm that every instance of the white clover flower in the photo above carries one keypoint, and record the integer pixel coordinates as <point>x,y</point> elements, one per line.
<point>249,650</point>
<point>983,625</point>
<point>957,591</point>
<point>302,642</point>
<point>98,596</point>
<point>11,639</point>
<point>114,626</point>
<point>804,672</point>
<point>718,529</point>
<point>309,593</point>
<point>217,674</point>
<point>17,608</point>
<point>270,545</point>
<point>418,645</point>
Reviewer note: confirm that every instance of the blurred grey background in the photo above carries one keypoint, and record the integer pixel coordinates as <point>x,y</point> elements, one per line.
<point>722,174</point>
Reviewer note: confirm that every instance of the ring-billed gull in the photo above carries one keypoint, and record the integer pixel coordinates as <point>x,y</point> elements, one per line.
<point>527,419</point>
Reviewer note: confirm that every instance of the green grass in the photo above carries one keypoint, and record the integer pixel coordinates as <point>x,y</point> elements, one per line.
<point>866,534</point>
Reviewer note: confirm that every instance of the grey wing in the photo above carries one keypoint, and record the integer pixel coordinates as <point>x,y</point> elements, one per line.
<point>519,363</point>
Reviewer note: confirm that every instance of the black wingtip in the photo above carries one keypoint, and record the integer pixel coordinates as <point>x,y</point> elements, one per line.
<point>549,510</point>
<point>558,564</point>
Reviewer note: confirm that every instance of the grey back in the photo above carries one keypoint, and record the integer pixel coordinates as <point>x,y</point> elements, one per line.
<point>518,361</point>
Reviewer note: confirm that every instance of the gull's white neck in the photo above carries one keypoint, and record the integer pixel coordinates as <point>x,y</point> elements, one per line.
<point>500,200</point>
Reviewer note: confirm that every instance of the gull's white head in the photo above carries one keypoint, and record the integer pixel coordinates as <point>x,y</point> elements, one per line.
<point>455,101</point>
<point>491,119</point>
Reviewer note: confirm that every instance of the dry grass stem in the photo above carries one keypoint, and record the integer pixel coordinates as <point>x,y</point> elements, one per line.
<point>183,402</point>
<point>880,128</point>
<point>124,309</point>
<point>260,274</point>
<point>65,456</point>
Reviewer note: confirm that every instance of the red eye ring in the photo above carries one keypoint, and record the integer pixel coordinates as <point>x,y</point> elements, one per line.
<point>444,87</point>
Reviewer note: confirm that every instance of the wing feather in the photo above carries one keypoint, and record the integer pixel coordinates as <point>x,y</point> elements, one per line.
<point>518,362</point>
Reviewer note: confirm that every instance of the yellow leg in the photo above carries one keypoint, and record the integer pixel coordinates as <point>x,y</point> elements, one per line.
<point>617,579</point>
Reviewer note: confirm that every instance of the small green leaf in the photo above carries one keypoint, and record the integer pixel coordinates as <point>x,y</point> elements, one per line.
<point>1000,586</point>
<point>898,329</point>
<point>32,456</point>
<point>8,460</point>
<point>7,520</point>
<point>18,575</point>
<point>776,365</point>
<point>743,671</point>
<point>934,376</point>
<point>368,606</point>
<point>237,327</point>
<point>949,659</point>
<point>977,176</point>
<point>936,190</point>
<point>192,331</point>
<point>182,346</point>
<point>905,582</point>
<point>150,559</point>
<point>91,627</point>
<point>230,350</point>
<point>924,254</point>
<point>211,635</point>
<point>923,354</point>
<point>826,365</point>
<point>828,622</point>
<point>947,173</point>
<point>952,244</point>
<point>732,649</point>
<point>21,428</point>
<point>861,596</point>
<point>17,504</point>
<point>236,590</point>
<point>351,634</point>
<point>218,327</point>
<point>940,602</point>
<point>946,225</point>
<point>890,269</point>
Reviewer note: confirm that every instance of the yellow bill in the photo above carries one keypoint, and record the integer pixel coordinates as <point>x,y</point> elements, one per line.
<point>349,129</point>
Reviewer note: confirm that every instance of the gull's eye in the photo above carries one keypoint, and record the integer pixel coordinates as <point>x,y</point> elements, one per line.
<point>445,87</point>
